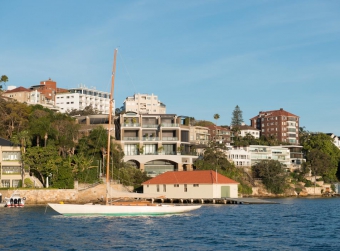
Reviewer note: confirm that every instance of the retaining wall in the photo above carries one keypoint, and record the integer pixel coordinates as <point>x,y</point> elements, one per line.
<point>43,196</point>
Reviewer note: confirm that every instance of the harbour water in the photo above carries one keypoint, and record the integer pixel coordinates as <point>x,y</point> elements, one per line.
<point>293,224</point>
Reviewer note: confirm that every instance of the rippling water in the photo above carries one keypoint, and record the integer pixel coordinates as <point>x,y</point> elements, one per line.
<point>294,224</point>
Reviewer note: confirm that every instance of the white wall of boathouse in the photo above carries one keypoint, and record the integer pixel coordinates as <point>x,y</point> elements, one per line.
<point>192,191</point>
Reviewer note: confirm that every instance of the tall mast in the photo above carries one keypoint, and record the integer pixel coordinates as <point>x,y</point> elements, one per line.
<point>109,128</point>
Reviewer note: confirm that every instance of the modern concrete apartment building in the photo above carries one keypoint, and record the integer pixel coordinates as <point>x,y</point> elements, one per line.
<point>79,98</point>
<point>199,138</point>
<point>278,123</point>
<point>144,104</point>
<point>290,156</point>
<point>155,143</point>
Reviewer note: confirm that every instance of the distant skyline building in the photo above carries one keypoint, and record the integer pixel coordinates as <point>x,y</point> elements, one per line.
<point>81,97</point>
<point>279,123</point>
<point>144,104</point>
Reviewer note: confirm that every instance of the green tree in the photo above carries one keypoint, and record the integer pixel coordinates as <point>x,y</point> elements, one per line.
<point>320,146</point>
<point>88,110</point>
<point>66,133</point>
<point>216,117</point>
<point>215,159</point>
<point>202,123</point>
<point>273,175</point>
<point>130,176</point>
<point>40,122</point>
<point>237,118</point>
<point>4,79</point>
<point>42,161</point>
<point>14,118</point>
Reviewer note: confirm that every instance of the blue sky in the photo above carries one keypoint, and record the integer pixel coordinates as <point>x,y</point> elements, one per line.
<point>200,57</point>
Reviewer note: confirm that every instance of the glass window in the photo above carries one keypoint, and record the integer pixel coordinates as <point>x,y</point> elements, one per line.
<point>11,169</point>
<point>164,188</point>
<point>5,183</point>
<point>15,183</point>
<point>11,156</point>
<point>185,188</point>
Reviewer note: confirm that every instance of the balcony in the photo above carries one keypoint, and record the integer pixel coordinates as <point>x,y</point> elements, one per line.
<point>169,125</point>
<point>169,139</point>
<point>131,138</point>
<point>149,126</point>
<point>131,125</point>
<point>150,138</point>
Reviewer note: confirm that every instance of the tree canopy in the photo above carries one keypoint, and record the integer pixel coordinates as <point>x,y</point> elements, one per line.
<point>236,119</point>
<point>4,79</point>
<point>273,175</point>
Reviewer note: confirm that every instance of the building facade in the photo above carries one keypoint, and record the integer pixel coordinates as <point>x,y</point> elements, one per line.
<point>220,134</point>
<point>48,89</point>
<point>204,184</point>
<point>79,98</point>
<point>144,104</point>
<point>154,143</point>
<point>10,162</point>
<point>246,130</point>
<point>278,123</point>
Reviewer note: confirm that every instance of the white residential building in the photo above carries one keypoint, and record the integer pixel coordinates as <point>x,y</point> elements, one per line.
<point>144,104</point>
<point>239,156</point>
<point>248,130</point>
<point>250,155</point>
<point>79,98</point>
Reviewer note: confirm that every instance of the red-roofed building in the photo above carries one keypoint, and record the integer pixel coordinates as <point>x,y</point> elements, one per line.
<point>203,184</point>
<point>21,94</point>
<point>279,123</point>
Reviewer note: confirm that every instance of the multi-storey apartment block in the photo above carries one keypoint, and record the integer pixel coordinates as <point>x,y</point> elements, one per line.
<point>240,156</point>
<point>144,104</point>
<point>10,162</point>
<point>155,143</point>
<point>278,123</point>
<point>250,155</point>
<point>79,98</point>
<point>220,134</point>
<point>199,138</point>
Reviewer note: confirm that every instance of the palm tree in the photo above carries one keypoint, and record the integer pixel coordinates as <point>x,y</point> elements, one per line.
<point>216,117</point>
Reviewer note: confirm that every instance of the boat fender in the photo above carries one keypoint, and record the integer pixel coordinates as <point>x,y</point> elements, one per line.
<point>24,198</point>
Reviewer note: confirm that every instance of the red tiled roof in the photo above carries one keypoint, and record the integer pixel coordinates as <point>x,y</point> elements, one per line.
<point>18,89</point>
<point>190,177</point>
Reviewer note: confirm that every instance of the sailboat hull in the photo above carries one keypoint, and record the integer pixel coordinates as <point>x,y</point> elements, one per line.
<point>117,210</point>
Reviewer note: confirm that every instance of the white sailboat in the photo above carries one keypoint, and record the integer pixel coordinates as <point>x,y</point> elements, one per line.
<point>119,208</point>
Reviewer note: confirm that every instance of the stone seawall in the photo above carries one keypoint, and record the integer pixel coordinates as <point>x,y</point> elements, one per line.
<point>43,196</point>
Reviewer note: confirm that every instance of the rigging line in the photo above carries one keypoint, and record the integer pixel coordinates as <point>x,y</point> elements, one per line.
<point>133,85</point>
